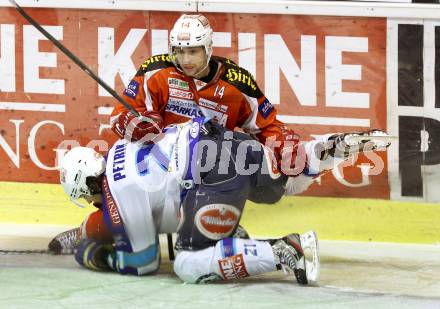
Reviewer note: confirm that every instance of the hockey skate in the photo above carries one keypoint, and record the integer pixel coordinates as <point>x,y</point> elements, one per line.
<point>346,144</point>
<point>291,252</point>
<point>65,242</point>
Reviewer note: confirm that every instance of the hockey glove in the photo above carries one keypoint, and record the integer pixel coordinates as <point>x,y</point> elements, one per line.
<point>145,128</point>
<point>93,255</point>
<point>287,153</point>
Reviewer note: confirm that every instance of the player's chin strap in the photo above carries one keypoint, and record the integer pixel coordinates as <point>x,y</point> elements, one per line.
<point>75,201</point>
<point>201,70</point>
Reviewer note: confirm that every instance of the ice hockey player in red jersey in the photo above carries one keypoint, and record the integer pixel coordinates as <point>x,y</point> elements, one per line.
<point>189,82</point>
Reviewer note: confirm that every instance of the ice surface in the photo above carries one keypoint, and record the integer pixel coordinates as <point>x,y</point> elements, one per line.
<point>353,275</point>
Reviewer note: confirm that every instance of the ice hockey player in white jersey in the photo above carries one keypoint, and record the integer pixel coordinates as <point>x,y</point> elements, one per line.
<point>194,180</point>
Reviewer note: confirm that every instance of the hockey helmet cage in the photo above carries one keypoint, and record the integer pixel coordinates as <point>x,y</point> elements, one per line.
<point>76,165</point>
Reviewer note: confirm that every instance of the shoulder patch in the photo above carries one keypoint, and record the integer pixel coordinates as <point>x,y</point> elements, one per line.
<point>241,79</point>
<point>265,108</point>
<point>132,89</point>
<point>155,63</point>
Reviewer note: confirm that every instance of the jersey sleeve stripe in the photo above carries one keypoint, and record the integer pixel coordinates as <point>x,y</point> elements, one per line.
<point>148,99</point>
<point>250,124</point>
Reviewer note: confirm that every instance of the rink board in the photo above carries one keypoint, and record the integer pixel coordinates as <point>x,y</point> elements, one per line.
<point>331,218</point>
<point>325,66</point>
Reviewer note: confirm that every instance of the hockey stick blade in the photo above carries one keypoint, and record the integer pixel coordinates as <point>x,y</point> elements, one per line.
<point>72,57</point>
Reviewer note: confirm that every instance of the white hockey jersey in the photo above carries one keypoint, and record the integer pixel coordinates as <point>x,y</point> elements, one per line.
<point>142,192</point>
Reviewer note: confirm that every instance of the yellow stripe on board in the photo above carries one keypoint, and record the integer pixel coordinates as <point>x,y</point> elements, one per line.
<point>347,219</point>
<point>332,218</point>
<point>30,203</point>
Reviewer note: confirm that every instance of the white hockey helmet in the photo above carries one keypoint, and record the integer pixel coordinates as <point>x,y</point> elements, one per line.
<point>191,31</point>
<point>76,165</point>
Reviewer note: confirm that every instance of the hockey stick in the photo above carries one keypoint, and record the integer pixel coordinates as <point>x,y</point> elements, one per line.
<point>20,252</point>
<point>75,59</point>
<point>170,247</point>
<point>89,72</point>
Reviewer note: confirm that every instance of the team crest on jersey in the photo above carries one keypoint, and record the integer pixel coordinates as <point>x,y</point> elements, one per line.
<point>184,108</point>
<point>199,83</point>
<point>217,221</point>
<point>187,95</point>
<point>178,83</point>
<point>132,89</point>
<point>265,108</point>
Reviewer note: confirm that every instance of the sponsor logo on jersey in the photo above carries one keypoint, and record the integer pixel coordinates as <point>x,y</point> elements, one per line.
<point>216,112</point>
<point>154,59</point>
<point>213,105</point>
<point>217,221</point>
<point>132,89</point>
<point>111,207</point>
<point>178,83</point>
<point>265,108</point>
<point>234,75</point>
<point>215,116</point>
<point>184,108</point>
<point>233,267</point>
<point>181,94</point>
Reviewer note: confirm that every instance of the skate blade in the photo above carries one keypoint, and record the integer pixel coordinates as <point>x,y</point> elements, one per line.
<point>309,242</point>
<point>380,140</point>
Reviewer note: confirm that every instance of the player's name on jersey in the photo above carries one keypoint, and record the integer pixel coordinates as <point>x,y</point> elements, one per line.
<point>119,162</point>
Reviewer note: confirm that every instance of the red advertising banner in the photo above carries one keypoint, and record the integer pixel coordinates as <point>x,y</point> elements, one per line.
<point>323,74</point>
